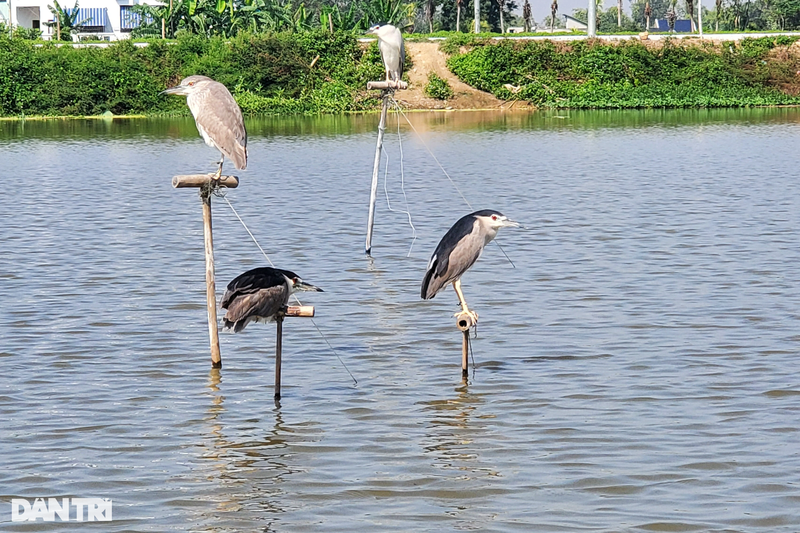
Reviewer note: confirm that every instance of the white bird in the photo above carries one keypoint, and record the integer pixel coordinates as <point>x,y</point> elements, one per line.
<point>217,116</point>
<point>393,50</point>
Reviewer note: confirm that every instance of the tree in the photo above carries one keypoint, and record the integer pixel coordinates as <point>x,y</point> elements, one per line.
<point>501,4</point>
<point>66,21</point>
<point>719,12</point>
<point>527,15</point>
<point>553,13</point>
<point>690,12</point>
<point>458,14</point>
<point>430,11</point>
<point>647,13</point>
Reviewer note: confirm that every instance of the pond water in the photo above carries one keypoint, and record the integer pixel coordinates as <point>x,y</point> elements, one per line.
<point>635,371</point>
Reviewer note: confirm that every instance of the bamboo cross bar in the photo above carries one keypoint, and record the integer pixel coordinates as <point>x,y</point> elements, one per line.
<point>205,182</point>
<point>202,180</point>
<point>306,311</point>
<point>384,85</point>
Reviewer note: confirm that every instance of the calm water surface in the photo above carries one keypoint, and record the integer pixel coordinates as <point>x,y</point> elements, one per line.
<point>636,371</point>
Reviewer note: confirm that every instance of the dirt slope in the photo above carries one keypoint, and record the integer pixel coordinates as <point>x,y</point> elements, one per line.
<point>427,58</point>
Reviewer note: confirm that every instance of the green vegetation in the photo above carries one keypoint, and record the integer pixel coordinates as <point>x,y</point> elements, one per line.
<point>268,73</point>
<point>438,87</point>
<point>586,74</point>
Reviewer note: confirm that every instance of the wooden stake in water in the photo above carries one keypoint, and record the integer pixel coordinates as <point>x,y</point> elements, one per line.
<point>278,354</point>
<point>465,321</point>
<point>373,195</point>
<point>205,182</point>
<point>293,310</point>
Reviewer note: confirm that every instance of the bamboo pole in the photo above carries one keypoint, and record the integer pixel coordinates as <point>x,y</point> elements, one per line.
<point>388,84</point>
<point>211,291</point>
<point>205,183</point>
<point>373,196</point>
<point>278,354</point>
<point>465,321</point>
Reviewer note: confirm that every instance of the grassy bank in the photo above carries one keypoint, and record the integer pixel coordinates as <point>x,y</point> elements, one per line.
<point>630,74</point>
<point>268,73</point>
<point>320,72</point>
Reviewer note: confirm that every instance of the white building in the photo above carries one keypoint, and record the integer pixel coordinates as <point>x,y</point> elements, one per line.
<point>109,20</point>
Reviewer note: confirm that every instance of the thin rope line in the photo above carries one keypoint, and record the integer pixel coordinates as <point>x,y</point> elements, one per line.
<point>402,187</point>
<point>224,197</point>
<point>400,110</point>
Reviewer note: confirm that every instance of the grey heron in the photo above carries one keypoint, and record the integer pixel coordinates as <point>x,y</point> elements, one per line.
<point>217,116</point>
<point>258,295</point>
<point>393,51</point>
<point>458,250</point>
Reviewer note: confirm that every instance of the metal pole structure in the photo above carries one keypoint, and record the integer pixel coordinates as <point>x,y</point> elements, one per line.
<point>373,196</point>
<point>278,353</point>
<point>592,22</point>
<point>477,16</point>
<point>700,17</point>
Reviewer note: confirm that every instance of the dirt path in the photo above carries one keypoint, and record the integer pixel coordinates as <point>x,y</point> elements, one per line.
<point>427,58</point>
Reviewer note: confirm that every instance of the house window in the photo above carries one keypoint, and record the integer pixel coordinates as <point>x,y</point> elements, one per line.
<point>35,24</point>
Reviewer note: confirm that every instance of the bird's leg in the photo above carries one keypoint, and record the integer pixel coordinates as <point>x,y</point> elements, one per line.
<point>218,175</point>
<point>463,302</point>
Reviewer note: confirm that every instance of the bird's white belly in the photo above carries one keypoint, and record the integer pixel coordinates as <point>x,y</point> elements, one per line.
<point>205,136</point>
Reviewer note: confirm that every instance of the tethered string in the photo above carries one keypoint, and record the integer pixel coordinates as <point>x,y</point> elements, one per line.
<point>400,110</point>
<point>224,197</point>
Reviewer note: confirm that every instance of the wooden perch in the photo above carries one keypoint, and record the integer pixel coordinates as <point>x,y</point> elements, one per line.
<point>306,311</point>
<point>202,180</point>
<point>384,85</point>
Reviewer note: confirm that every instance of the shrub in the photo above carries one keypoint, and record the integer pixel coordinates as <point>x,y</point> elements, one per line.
<point>438,87</point>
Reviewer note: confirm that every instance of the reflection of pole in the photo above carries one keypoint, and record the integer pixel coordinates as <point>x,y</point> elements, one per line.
<point>592,22</point>
<point>373,196</point>
<point>477,15</point>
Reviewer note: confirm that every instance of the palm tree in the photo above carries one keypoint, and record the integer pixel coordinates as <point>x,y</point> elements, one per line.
<point>690,12</point>
<point>526,15</point>
<point>430,11</point>
<point>719,12</point>
<point>647,13</point>
<point>619,13</point>
<point>459,3</point>
<point>502,4</point>
<point>66,20</point>
<point>553,14</point>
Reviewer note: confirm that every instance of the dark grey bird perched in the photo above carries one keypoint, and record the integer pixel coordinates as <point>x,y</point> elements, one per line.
<point>393,50</point>
<point>217,116</point>
<point>258,295</point>
<point>458,250</point>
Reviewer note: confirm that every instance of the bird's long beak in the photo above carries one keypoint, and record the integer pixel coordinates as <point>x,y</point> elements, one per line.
<point>508,223</point>
<point>178,89</point>
<point>303,286</point>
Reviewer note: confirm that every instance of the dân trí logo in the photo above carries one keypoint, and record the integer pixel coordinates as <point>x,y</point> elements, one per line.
<point>68,509</point>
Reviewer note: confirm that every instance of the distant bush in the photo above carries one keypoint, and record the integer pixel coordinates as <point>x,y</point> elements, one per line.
<point>592,74</point>
<point>438,87</point>
<point>268,73</point>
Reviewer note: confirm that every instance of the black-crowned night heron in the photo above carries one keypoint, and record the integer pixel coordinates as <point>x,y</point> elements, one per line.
<point>393,51</point>
<point>218,117</point>
<point>458,250</point>
<point>258,295</point>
